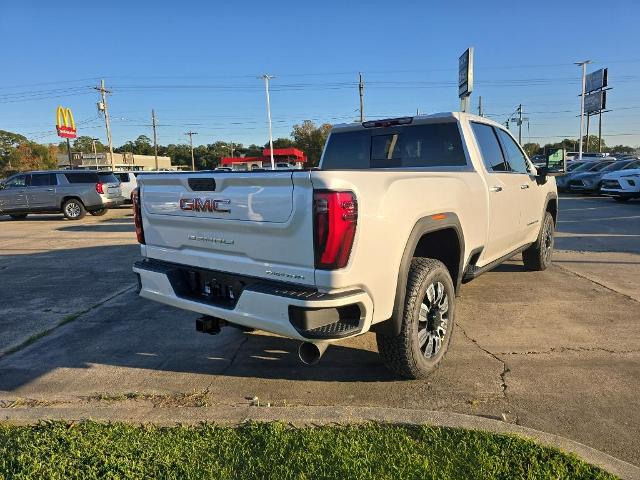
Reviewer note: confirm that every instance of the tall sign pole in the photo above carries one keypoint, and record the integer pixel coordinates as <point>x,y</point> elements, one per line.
<point>266,89</point>
<point>583,64</point>
<point>465,78</point>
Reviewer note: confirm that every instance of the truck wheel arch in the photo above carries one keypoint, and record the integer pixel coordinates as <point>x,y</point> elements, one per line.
<point>427,230</point>
<point>551,206</point>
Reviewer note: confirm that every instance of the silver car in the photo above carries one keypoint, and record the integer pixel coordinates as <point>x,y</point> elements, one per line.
<point>71,192</point>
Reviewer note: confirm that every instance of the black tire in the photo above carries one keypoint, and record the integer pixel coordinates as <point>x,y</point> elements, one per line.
<point>538,256</point>
<point>73,209</point>
<point>406,354</point>
<point>18,216</point>
<point>621,199</point>
<point>99,213</point>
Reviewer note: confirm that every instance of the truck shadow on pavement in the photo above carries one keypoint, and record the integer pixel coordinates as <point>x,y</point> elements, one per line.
<point>138,334</point>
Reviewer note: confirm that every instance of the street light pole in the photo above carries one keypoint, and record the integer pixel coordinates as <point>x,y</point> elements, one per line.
<point>583,64</point>
<point>95,154</point>
<point>266,89</point>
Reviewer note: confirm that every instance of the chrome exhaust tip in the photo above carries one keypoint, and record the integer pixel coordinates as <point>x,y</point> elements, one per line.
<point>311,353</point>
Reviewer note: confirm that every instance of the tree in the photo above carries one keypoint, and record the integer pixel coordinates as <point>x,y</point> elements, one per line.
<point>311,139</point>
<point>281,143</point>
<point>33,156</point>
<point>532,149</point>
<point>85,144</point>
<point>8,143</point>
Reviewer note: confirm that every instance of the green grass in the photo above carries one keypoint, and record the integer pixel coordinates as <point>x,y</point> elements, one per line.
<point>87,450</point>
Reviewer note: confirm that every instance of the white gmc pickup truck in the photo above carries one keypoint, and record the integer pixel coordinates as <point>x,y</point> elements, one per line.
<point>379,238</point>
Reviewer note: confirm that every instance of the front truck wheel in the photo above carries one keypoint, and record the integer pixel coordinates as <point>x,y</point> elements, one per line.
<point>538,256</point>
<point>427,322</point>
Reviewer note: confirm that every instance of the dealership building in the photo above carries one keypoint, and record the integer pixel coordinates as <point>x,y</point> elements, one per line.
<point>121,161</point>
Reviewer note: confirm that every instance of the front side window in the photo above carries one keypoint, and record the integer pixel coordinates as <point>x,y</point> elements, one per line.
<point>515,157</point>
<point>489,147</point>
<point>16,182</point>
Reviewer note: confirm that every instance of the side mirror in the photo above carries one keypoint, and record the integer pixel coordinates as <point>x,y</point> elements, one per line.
<point>555,163</point>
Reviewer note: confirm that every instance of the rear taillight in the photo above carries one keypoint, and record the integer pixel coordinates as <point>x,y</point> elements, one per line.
<point>137,214</point>
<point>99,188</point>
<point>335,216</point>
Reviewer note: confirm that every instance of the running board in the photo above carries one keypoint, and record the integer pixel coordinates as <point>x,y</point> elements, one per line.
<point>474,271</point>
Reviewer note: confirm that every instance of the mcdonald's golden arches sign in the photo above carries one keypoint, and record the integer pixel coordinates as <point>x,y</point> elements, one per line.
<point>65,124</point>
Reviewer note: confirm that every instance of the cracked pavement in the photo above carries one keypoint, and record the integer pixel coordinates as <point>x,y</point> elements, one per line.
<point>558,351</point>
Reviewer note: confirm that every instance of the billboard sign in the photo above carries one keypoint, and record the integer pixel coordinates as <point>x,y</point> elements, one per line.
<point>597,80</point>
<point>595,101</point>
<point>65,124</point>
<point>465,73</point>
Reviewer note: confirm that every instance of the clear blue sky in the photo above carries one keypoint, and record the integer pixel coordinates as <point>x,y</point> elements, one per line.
<point>197,63</point>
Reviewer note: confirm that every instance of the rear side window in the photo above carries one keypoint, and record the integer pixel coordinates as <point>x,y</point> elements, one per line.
<point>415,146</point>
<point>489,147</point>
<point>82,177</point>
<point>107,178</point>
<point>122,176</point>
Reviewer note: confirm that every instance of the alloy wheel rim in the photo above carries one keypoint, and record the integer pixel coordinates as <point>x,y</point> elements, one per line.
<point>73,210</point>
<point>433,320</point>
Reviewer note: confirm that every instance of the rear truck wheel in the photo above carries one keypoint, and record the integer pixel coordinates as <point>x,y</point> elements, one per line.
<point>18,216</point>
<point>427,322</point>
<point>621,199</point>
<point>538,256</point>
<point>99,213</point>
<point>73,209</point>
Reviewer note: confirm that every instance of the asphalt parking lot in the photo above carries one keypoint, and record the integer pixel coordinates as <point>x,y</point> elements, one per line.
<point>557,351</point>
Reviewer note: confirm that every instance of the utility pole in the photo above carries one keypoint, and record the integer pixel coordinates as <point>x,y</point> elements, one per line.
<point>582,64</point>
<point>95,152</point>
<point>193,162</point>
<point>266,89</point>
<point>520,124</point>
<point>155,137</point>
<point>103,107</point>
<point>480,106</point>
<point>361,91</point>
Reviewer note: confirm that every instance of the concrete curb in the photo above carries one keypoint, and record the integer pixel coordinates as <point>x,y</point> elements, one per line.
<point>312,415</point>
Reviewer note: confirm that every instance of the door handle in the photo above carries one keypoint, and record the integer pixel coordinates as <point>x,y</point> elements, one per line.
<point>495,188</point>
<point>49,189</point>
<point>524,186</point>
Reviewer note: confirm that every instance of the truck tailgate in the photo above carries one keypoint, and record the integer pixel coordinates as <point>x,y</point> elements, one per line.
<point>254,224</point>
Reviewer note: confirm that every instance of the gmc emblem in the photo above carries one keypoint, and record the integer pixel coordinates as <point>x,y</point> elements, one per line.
<point>205,205</point>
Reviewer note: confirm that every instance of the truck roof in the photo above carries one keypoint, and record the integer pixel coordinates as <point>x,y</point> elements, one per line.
<point>416,120</point>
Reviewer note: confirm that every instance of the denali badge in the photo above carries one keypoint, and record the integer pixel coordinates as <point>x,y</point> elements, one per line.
<point>202,238</point>
<point>205,205</point>
<point>284,274</point>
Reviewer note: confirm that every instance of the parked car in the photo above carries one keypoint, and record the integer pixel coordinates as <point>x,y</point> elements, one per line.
<point>128,184</point>
<point>591,181</point>
<point>622,185</point>
<point>380,238</point>
<point>71,192</point>
<point>575,168</point>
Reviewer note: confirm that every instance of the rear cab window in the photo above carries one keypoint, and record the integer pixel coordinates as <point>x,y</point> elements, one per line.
<point>437,144</point>
<point>122,176</point>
